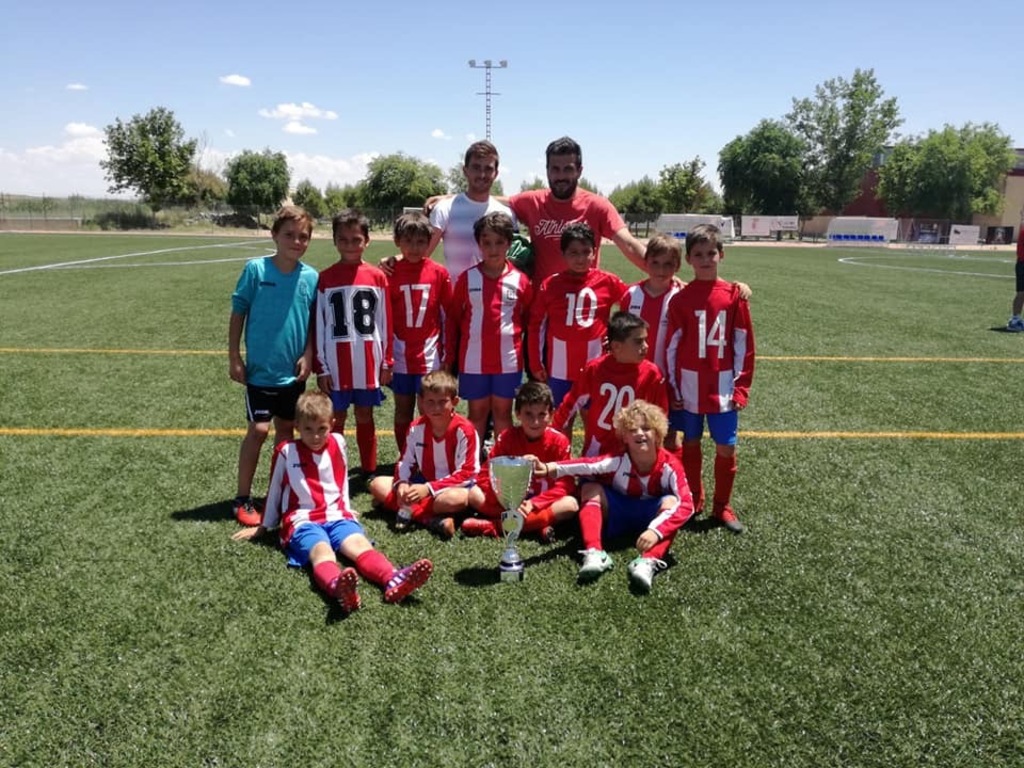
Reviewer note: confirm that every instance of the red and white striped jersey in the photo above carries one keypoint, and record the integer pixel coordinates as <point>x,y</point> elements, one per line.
<point>353,325</point>
<point>307,487</point>
<point>710,352</point>
<point>604,388</point>
<point>666,478</point>
<point>487,318</point>
<point>444,462</point>
<point>569,319</point>
<point>420,295</point>
<point>551,446</point>
<point>653,309</point>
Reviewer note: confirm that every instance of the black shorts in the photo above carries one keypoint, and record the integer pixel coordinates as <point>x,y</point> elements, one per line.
<point>264,403</point>
<point>1020,277</point>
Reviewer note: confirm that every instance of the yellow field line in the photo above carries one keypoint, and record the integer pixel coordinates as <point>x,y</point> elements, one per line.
<point>755,435</point>
<point>775,358</point>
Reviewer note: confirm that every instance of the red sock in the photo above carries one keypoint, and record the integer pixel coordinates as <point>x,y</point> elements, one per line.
<point>591,523</point>
<point>324,575</point>
<point>725,476</point>
<point>693,465</point>
<point>366,439</point>
<point>660,549</point>
<point>539,520</point>
<point>374,567</point>
<point>402,436</point>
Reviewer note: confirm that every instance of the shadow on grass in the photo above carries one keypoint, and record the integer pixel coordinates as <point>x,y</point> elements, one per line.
<point>1002,329</point>
<point>487,576</point>
<point>214,512</point>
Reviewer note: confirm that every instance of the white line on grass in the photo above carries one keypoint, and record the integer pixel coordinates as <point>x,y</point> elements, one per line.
<point>858,261</point>
<point>89,262</point>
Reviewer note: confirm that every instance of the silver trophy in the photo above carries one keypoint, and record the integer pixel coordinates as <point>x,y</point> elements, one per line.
<point>510,478</point>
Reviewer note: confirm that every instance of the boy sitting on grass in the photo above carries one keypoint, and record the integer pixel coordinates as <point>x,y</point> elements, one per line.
<point>308,499</point>
<point>441,459</point>
<point>641,491</point>
<point>548,502</point>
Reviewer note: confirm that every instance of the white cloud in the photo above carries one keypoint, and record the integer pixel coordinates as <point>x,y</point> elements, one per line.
<point>470,137</point>
<point>437,133</point>
<point>76,87</point>
<point>229,133</point>
<point>240,80</point>
<point>298,128</point>
<point>81,129</point>
<point>293,111</point>
<point>323,170</point>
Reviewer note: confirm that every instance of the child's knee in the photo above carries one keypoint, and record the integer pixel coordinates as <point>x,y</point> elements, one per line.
<point>725,451</point>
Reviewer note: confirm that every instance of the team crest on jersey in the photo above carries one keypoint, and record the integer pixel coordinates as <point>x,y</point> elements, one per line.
<point>510,294</point>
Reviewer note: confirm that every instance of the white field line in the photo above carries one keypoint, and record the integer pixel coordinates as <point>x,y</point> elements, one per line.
<point>83,263</point>
<point>859,261</point>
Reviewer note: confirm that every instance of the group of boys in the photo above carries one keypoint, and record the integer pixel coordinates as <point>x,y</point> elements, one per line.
<point>411,332</point>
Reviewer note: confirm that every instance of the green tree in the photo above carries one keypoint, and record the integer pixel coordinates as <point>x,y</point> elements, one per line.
<point>537,183</point>
<point>149,154</point>
<point>396,181</point>
<point>206,188</point>
<point>337,198</point>
<point>257,181</point>
<point>587,184</point>
<point>638,200</point>
<point>684,189</point>
<point>307,195</point>
<point>844,126</point>
<point>949,174</point>
<point>763,172</point>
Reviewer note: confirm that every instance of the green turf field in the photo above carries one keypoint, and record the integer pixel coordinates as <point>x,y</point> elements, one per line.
<point>872,615</point>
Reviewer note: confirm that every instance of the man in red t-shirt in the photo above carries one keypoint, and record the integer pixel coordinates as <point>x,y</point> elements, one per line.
<point>546,212</point>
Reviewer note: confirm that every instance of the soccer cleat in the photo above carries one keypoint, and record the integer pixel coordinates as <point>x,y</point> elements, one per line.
<point>595,562</point>
<point>725,516</point>
<point>641,571</point>
<point>245,511</point>
<point>1016,325</point>
<point>407,580</point>
<point>443,527</point>
<point>345,590</point>
<point>547,535</point>
<point>476,526</point>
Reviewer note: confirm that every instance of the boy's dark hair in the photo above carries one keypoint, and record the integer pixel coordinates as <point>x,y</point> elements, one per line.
<point>622,324</point>
<point>439,381</point>
<point>291,213</point>
<point>496,221</point>
<point>578,231</point>
<point>704,233</point>
<point>662,243</point>
<point>350,217</point>
<point>534,393</point>
<point>412,224</point>
<point>482,148</point>
<point>564,146</point>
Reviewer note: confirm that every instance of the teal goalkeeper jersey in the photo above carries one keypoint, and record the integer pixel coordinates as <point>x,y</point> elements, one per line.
<point>277,309</point>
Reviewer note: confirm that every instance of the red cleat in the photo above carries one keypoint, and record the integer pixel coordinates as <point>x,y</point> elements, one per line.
<point>345,590</point>
<point>477,526</point>
<point>246,512</point>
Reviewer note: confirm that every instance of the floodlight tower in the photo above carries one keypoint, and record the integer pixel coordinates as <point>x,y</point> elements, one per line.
<point>487,66</point>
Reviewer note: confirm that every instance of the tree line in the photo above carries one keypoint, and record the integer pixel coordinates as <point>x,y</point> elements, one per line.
<point>810,161</point>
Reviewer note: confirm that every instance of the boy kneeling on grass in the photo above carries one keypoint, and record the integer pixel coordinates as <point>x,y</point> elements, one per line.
<point>308,499</point>
<point>641,491</point>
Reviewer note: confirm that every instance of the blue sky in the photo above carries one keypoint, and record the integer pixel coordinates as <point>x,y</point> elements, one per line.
<point>640,84</point>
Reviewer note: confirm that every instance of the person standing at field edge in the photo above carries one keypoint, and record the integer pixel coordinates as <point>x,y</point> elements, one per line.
<point>272,304</point>
<point>1016,324</point>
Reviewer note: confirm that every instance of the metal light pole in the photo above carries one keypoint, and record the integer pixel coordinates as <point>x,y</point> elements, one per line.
<point>487,66</point>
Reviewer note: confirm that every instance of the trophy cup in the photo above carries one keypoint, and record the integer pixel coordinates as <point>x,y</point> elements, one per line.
<point>510,478</point>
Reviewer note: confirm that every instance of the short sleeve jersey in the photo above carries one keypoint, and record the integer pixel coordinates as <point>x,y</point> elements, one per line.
<point>420,294</point>
<point>277,308</point>
<point>546,216</point>
<point>353,325</point>
<point>448,461</point>
<point>710,353</point>
<point>604,388</point>
<point>455,217</point>
<point>653,309</point>
<point>488,316</point>
<point>569,318</point>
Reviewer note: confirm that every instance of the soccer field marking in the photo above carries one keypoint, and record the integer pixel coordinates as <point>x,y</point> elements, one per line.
<point>861,260</point>
<point>86,263</point>
<point>751,435</point>
<point>772,358</point>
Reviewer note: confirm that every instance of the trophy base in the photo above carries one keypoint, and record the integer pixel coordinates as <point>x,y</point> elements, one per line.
<point>511,571</point>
